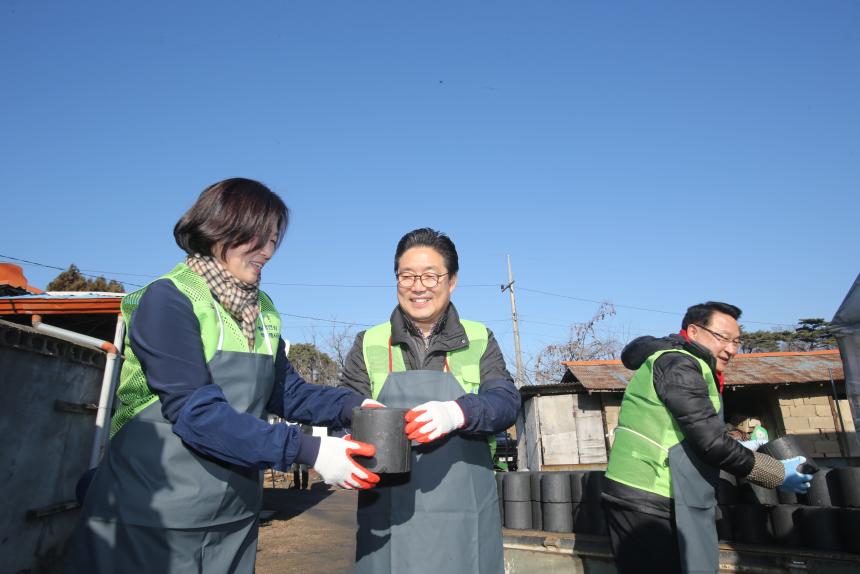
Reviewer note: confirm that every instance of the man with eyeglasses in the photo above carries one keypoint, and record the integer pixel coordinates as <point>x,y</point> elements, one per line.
<point>443,516</point>
<point>671,443</point>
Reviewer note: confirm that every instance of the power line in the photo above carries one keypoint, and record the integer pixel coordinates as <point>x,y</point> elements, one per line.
<point>599,302</point>
<point>341,285</point>
<point>351,324</point>
<point>278,283</point>
<point>379,286</point>
<point>81,271</point>
<point>639,308</point>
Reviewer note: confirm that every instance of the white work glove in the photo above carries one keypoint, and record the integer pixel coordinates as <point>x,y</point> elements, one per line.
<point>753,444</point>
<point>434,419</point>
<point>371,404</point>
<point>334,463</point>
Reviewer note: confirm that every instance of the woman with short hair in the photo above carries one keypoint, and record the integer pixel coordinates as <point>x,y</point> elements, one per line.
<point>180,488</point>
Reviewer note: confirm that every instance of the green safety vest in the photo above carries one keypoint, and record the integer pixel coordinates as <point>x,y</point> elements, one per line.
<point>216,325</point>
<point>647,430</point>
<point>464,364</point>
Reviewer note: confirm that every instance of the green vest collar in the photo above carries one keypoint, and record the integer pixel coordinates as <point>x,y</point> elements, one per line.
<point>382,355</point>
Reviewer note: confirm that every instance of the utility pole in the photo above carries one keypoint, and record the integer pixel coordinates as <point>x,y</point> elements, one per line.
<point>518,357</point>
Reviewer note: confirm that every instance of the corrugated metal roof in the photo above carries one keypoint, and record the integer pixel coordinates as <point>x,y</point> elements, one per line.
<point>779,368</point>
<point>598,375</point>
<point>749,369</point>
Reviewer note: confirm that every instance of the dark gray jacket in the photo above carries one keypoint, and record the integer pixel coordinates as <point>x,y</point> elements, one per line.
<point>495,406</point>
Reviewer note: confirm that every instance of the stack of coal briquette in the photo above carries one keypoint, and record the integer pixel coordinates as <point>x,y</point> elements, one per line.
<point>559,501</point>
<point>826,518</point>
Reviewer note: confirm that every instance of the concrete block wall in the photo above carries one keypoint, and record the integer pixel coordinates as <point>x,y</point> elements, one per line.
<point>806,412</point>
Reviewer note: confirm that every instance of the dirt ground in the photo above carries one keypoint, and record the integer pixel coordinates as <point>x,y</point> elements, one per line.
<point>308,531</point>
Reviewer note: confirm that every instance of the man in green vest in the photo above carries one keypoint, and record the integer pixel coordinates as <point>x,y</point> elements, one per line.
<point>671,443</point>
<point>443,515</point>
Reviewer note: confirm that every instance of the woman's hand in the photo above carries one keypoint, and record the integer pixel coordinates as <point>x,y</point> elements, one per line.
<point>336,466</point>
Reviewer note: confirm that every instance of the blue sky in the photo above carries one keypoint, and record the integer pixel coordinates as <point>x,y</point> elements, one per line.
<point>654,155</point>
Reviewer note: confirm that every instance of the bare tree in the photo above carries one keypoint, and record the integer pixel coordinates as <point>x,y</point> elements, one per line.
<point>583,344</point>
<point>339,342</point>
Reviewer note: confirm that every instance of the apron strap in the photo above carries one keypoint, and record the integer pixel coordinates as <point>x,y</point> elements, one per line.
<point>390,357</point>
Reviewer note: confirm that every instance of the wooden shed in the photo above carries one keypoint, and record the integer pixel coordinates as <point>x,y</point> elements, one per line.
<point>571,424</point>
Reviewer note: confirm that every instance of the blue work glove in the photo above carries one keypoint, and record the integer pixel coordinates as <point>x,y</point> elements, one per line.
<point>794,480</point>
<point>753,443</point>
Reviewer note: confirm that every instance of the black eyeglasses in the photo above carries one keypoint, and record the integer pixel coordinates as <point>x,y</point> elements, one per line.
<point>721,338</point>
<point>429,280</point>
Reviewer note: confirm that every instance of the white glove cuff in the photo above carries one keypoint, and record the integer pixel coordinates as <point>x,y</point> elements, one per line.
<point>458,419</point>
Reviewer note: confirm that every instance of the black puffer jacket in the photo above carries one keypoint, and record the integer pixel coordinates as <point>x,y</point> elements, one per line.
<point>679,384</point>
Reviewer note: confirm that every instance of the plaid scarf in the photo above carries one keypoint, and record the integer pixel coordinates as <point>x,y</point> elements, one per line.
<point>240,299</point>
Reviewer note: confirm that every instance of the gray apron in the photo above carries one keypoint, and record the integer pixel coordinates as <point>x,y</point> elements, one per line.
<point>156,505</point>
<point>443,516</point>
<point>694,493</point>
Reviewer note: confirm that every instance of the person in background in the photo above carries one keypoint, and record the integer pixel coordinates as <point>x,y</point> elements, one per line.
<point>300,470</point>
<point>180,486</point>
<point>443,516</point>
<point>670,444</point>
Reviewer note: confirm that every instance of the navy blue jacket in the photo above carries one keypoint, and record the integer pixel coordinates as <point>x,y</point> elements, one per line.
<point>165,336</point>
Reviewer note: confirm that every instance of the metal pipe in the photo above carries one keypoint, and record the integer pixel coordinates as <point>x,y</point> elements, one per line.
<point>73,337</point>
<point>109,382</point>
<point>108,379</point>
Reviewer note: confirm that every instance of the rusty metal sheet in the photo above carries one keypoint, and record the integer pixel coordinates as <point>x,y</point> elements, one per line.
<point>750,369</point>
<point>784,368</point>
<point>84,304</point>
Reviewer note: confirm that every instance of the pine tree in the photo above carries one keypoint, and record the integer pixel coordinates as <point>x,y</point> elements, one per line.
<point>73,280</point>
<point>815,334</point>
<point>314,365</point>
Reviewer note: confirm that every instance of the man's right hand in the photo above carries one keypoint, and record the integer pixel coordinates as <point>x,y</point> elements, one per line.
<point>334,463</point>
<point>794,480</point>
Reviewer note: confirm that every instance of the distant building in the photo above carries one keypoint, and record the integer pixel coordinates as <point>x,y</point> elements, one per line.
<point>570,424</point>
